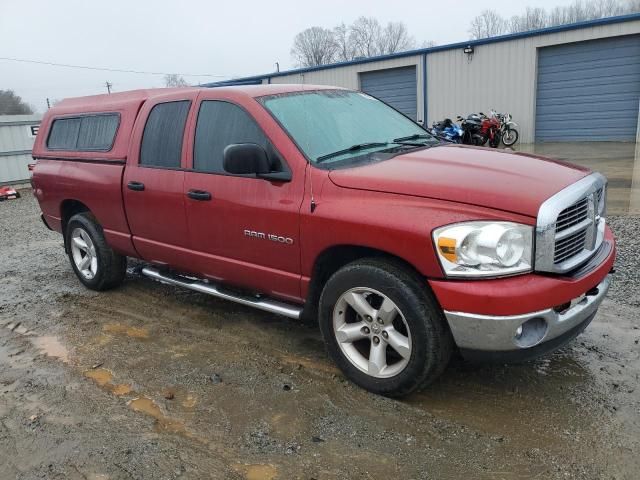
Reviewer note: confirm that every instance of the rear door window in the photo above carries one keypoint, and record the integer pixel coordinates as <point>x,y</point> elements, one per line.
<point>163,134</point>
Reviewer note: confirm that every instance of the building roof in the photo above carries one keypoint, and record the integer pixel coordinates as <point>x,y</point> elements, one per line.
<point>30,119</point>
<point>256,79</point>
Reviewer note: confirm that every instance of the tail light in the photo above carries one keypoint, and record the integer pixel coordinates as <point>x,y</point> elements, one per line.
<point>31,166</point>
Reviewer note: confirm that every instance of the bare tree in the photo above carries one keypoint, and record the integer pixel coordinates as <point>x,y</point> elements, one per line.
<point>532,19</point>
<point>314,46</point>
<point>632,6</point>
<point>174,80</point>
<point>395,38</point>
<point>345,50</point>
<point>580,10</point>
<point>365,37</point>
<point>428,44</point>
<point>488,24</point>
<point>12,104</point>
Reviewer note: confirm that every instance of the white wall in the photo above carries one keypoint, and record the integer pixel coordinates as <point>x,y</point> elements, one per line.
<point>499,75</point>
<point>16,142</point>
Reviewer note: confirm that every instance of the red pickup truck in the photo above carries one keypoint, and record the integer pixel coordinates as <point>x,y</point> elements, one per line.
<point>320,202</point>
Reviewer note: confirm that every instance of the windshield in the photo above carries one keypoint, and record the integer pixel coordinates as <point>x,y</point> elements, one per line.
<point>334,125</point>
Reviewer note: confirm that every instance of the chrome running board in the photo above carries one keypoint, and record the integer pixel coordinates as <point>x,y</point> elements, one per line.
<point>267,305</point>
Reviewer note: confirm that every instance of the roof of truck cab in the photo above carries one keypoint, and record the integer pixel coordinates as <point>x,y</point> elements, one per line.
<point>122,99</point>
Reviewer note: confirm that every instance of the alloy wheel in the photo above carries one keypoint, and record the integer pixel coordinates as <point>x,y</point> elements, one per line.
<point>84,253</point>
<point>372,332</point>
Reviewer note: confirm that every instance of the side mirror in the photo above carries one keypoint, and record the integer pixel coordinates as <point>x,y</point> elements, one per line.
<point>245,158</point>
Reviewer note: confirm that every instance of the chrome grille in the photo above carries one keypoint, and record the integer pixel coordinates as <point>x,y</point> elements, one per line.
<point>572,215</point>
<point>570,226</point>
<point>569,246</point>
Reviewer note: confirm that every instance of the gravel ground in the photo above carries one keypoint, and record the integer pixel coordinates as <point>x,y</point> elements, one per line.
<point>627,278</point>
<point>152,382</point>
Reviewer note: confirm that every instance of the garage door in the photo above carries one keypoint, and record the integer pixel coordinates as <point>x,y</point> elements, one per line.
<point>589,90</point>
<point>396,86</point>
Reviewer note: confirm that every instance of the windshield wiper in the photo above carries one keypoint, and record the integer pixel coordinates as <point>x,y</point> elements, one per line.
<point>352,148</point>
<point>415,136</point>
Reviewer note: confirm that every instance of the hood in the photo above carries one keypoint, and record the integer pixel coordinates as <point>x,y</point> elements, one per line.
<point>497,179</point>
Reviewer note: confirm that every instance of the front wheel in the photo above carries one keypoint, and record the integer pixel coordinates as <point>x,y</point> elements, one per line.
<point>383,328</point>
<point>509,137</point>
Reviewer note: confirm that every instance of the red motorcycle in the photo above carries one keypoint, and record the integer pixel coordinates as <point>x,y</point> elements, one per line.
<point>477,129</point>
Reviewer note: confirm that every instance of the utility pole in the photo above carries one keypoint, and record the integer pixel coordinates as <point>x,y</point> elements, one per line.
<point>109,85</point>
<point>48,104</point>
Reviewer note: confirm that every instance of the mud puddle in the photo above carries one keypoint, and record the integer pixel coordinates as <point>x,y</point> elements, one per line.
<point>258,472</point>
<point>104,378</point>
<point>51,347</point>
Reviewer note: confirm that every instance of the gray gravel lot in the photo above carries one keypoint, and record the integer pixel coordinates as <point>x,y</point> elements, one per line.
<point>627,278</point>
<point>151,382</point>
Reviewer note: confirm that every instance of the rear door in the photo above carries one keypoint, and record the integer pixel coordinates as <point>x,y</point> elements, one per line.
<point>154,180</point>
<point>243,230</point>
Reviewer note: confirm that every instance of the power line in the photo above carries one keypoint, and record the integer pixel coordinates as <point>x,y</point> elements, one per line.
<point>105,69</point>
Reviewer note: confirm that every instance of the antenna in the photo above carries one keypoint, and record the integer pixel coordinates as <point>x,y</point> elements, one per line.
<point>313,204</point>
<point>313,201</point>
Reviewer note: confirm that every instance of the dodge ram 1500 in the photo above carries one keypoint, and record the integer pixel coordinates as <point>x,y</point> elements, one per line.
<point>324,203</point>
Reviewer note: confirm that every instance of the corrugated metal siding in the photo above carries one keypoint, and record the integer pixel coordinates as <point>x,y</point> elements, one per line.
<point>348,76</point>
<point>589,90</point>
<point>500,75</point>
<point>395,86</point>
<point>16,142</point>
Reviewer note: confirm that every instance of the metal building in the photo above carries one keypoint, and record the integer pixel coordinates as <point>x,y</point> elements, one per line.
<point>573,82</point>
<point>17,134</point>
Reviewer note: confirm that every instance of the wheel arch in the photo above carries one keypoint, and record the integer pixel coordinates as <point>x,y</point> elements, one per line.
<point>331,260</point>
<point>68,208</point>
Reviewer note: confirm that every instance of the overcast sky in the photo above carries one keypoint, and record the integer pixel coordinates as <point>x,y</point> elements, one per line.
<point>224,38</point>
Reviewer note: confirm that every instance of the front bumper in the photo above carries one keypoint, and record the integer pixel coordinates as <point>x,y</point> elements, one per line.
<point>474,333</point>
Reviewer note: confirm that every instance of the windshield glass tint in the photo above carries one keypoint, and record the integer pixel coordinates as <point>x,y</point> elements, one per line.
<point>326,121</point>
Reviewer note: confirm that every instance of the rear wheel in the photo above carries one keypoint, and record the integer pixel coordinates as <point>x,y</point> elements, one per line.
<point>96,265</point>
<point>383,328</point>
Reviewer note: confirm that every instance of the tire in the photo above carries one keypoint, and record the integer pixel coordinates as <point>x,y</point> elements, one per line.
<point>95,264</point>
<point>509,140</point>
<point>407,351</point>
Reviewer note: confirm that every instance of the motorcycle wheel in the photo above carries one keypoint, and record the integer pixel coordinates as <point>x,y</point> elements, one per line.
<point>495,141</point>
<point>509,137</point>
<point>466,138</point>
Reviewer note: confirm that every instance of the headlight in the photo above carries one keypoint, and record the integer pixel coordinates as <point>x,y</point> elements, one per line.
<point>484,249</point>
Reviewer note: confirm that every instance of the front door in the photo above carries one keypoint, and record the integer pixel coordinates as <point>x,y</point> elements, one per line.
<point>244,230</point>
<point>154,180</point>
